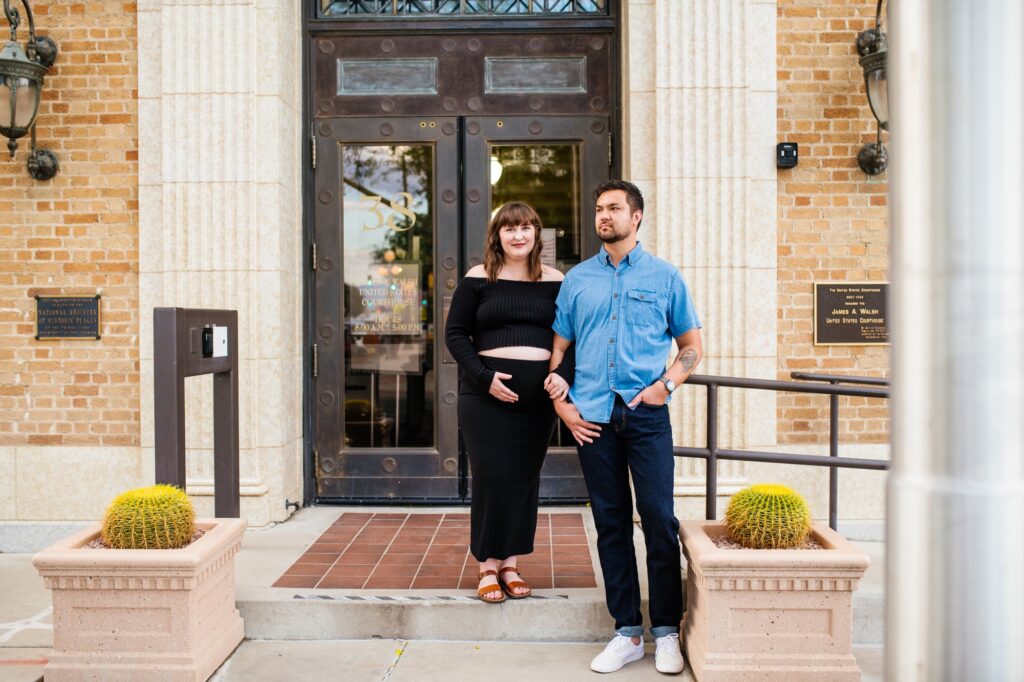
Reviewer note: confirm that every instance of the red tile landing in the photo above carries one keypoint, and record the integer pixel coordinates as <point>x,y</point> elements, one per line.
<point>431,551</point>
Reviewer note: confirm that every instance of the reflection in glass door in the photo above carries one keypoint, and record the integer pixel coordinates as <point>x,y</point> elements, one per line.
<point>548,176</point>
<point>551,162</point>
<point>389,298</point>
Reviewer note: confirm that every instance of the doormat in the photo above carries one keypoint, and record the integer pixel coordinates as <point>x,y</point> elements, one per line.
<point>413,551</point>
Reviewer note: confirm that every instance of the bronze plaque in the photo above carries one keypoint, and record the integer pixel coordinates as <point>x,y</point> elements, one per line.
<point>851,313</point>
<point>68,317</point>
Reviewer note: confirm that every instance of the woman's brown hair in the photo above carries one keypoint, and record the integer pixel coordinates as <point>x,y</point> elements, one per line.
<point>512,213</point>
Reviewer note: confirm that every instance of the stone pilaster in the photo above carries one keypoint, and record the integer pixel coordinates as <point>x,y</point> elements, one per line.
<point>220,222</point>
<point>700,125</point>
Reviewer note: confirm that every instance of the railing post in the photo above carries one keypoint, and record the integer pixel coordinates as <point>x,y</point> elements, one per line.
<point>711,479</point>
<point>833,451</point>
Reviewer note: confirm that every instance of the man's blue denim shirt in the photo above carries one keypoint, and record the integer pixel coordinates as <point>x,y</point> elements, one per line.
<point>623,321</point>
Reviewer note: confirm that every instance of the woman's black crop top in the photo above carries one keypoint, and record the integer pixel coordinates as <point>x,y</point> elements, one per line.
<point>487,315</point>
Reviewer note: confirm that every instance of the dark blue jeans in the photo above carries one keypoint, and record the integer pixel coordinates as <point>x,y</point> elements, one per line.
<point>639,442</point>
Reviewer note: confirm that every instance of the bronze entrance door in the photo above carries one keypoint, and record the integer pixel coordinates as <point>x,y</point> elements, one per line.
<point>400,214</point>
<point>417,139</point>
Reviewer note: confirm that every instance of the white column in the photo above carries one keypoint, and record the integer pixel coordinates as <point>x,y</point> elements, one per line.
<point>955,544</point>
<point>220,221</point>
<point>700,120</point>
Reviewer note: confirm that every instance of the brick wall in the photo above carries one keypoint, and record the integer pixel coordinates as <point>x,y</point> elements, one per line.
<point>832,216</point>
<point>77,233</point>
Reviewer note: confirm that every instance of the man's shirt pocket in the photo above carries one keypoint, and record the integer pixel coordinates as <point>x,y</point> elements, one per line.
<point>644,309</point>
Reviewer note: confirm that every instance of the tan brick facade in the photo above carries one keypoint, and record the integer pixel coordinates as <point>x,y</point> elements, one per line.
<point>832,216</point>
<point>80,233</point>
<point>76,234</point>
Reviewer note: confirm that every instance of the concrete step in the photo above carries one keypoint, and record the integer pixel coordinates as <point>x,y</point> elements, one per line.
<point>440,616</point>
<point>558,615</point>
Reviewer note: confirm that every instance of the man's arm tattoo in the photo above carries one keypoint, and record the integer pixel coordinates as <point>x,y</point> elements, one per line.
<point>688,359</point>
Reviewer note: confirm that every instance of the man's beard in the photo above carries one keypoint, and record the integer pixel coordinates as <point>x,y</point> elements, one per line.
<point>611,238</point>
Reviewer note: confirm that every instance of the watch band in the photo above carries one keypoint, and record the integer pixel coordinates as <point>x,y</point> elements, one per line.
<point>669,384</point>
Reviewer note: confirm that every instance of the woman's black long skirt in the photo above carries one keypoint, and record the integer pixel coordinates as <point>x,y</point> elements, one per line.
<point>506,444</point>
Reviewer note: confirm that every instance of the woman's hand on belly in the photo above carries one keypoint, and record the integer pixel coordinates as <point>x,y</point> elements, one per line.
<point>500,391</point>
<point>518,353</point>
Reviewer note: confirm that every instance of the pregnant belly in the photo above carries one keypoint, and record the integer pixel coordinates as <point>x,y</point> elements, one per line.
<point>518,353</point>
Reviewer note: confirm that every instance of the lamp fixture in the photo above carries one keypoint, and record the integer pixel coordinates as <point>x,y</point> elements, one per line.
<point>873,47</point>
<point>496,169</point>
<point>21,85</point>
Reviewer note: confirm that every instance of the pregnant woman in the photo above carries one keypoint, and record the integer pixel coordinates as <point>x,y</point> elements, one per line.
<point>499,331</point>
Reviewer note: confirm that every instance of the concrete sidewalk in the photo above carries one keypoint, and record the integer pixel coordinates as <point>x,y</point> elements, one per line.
<point>422,661</point>
<point>26,625</point>
<point>433,661</point>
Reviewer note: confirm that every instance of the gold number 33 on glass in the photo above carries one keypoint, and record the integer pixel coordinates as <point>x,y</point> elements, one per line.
<point>393,220</point>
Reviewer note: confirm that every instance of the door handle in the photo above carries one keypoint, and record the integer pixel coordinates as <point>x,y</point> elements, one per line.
<point>446,305</point>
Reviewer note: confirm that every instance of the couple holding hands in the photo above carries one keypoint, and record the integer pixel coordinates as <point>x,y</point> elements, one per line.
<point>590,348</point>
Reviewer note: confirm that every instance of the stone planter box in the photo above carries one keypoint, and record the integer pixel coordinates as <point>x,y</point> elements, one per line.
<point>131,614</point>
<point>775,614</point>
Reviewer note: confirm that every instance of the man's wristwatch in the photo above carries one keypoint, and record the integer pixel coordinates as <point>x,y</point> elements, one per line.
<point>669,384</point>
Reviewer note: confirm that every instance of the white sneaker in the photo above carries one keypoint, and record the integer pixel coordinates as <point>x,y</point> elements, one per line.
<point>617,653</point>
<point>667,656</point>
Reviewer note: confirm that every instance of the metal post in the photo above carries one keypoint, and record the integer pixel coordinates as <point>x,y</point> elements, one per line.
<point>177,334</point>
<point>169,392</point>
<point>226,502</point>
<point>955,596</point>
<point>711,483</point>
<point>833,451</point>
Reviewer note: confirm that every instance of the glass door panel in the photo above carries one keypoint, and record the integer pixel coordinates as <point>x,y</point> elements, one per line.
<point>548,175</point>
<point>553,163</point>
<point>386,261</point>
<point>389,298</point>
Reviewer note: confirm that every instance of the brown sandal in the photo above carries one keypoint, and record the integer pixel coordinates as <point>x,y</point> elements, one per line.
<point>511,585</point>
<point>481,591</point>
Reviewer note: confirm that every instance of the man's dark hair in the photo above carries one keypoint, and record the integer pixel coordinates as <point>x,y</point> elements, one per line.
<point>633,196</point>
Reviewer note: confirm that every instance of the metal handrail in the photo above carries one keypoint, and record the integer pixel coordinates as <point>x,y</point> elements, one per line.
<point>839,379</point>
<point>712,453</point>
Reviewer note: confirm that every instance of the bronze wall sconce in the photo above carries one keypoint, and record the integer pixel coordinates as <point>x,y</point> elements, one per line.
<point>21,85</point>
<point>873,47</point>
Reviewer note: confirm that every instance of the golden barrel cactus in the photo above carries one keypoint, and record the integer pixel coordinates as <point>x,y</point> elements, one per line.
<point>768,516</point>
<point>157,517</point>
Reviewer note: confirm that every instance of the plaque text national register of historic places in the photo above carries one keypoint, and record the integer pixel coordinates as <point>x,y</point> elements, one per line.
<point>68,317</point>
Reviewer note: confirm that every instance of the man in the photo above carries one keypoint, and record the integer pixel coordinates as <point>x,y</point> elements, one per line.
<point>623,308</point>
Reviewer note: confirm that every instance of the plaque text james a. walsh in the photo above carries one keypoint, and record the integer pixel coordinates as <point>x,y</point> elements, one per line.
<point>851,313</point>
